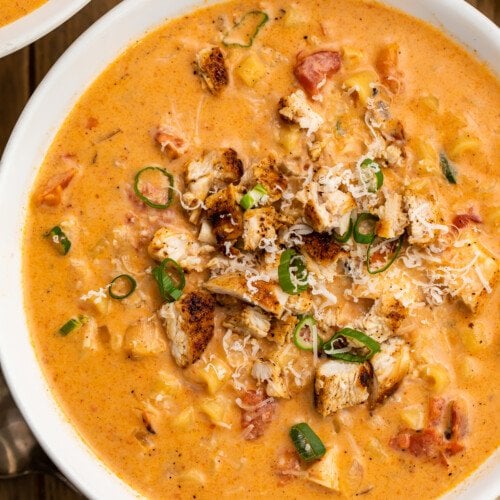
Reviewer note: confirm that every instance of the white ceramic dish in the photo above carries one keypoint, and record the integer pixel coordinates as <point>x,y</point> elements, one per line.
<point>27,29</point>
<point>55,97</point>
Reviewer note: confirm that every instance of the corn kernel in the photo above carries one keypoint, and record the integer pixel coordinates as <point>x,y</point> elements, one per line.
<point>251,70</point>
<point>290,139</point>
<point>293,17</point>
<point>430,102</point>
<point>474,339</point>
<point>436,376</point>
<point>215,410</point>
<point>413,417</point>
<point>352,57</point>
<point>377,450</point>
<point>362,84</point>
<point>184,420</point>
<point>214,374</point>
<point>168,384</point>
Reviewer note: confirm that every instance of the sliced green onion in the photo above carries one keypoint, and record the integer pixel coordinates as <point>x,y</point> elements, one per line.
<point>304,334</point>
<point>448,169</point>
<point>343,238</point>
<point>392,257</point>
<point>292,272</point>
<point>118,282</point>
<point>171,280</point>
<point>306,442</point>
<point>72,325</point>
<point>332,348</point>
<point>365,219</point>
<point>371,175</point>
<point>253,197</point>
<point>159,182</point>
<point>60,241</point>
<point>246,29</point>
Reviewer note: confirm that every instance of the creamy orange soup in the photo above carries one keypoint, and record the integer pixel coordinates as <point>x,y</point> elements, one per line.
<point>309,304</point>
<point>12,10</point>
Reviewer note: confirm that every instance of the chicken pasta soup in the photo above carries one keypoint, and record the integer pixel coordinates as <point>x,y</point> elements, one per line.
<point>12,10</point>
<point>261,256</point>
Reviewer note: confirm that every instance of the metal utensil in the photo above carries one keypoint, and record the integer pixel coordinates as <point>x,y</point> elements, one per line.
<point>20,453</point>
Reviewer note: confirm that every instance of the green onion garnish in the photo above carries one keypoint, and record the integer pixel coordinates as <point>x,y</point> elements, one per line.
<point>305,333</point>
<point>388,256</point>
<point>246,29</point>
<point>338,347</point>
<point>72,325</point>
<point>448,169</point>
<point>60,241</point>
<point>253,197</point>
<point>292,272</point>
<point>371,175</point>
<point>343,238</point>
<point>155,187</point>
<point>306,442</point>
<point>171,280</point>
<point>365,219</point>
<point>123,282</point>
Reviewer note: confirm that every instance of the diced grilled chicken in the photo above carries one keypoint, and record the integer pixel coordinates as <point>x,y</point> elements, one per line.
<point>213,172</point>
<point>212,68</point>
<point>225,214</point>
<point>393,220</point>
<point>199,179</point>
<point>289,371</point>
<point>384,318</point>
<point>228,167</point>
<point>266,295</point>
<point>326,206</point>
<point>248,320</point>
<point>277,386</point>
<point>390,366</point>
<point>259,228</point>
<point>341,385</point>
<point>206,234</point>
<point>322,253</point>
<point>326,471</point>
<point>301,303</point>
<point>182,247</point>
<point>424,220</point>
<point>266,172</point>
<point>144,338</point>
<point>474,284</point>
<point>190,326</point>
<point>171,143</point>
<point>282,329</point>
<point>296,109</point>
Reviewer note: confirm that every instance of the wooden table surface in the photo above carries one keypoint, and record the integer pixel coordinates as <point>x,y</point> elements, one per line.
<point>20,73</point>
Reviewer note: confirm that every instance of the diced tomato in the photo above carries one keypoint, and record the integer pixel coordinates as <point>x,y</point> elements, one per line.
<point>463,220</point>
<point>174,146</point>
<point>52,193</point>
<point>313,70</point>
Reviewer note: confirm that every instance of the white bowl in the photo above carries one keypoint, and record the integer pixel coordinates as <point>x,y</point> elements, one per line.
<point>27,29</point>
<point>45,113</point>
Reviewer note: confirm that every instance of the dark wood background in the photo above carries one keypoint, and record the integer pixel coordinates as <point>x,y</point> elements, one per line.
<point>20,73</point>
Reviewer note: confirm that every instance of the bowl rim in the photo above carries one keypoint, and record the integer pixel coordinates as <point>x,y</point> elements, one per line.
<point>36,24</point>
<point>18,360</point>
